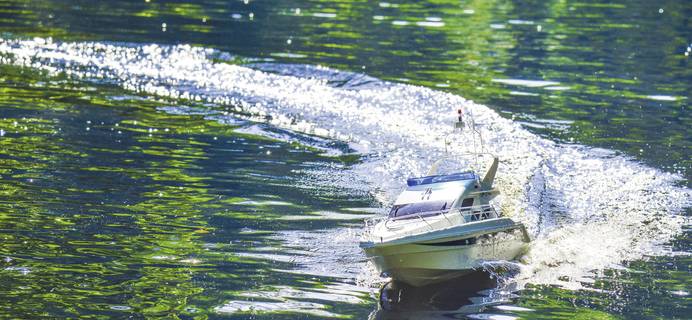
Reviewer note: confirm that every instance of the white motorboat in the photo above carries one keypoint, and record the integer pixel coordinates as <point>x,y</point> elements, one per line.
<point>443,226</point>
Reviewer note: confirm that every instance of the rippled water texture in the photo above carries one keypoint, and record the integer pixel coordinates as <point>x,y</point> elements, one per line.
<point>198,160</point>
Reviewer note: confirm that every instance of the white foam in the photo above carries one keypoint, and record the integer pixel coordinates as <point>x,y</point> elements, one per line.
<point>586,208</point>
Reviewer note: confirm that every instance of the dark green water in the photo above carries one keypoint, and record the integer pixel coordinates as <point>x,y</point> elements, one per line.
<point>117,202</point>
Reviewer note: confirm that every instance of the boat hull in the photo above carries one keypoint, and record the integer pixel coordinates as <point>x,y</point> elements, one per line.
<point>420,261</point>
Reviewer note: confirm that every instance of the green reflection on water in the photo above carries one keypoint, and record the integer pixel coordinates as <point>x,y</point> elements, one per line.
<point>71,249</point>
<point>611,58</point>
<point>105,205</point>
<point>112,221</point>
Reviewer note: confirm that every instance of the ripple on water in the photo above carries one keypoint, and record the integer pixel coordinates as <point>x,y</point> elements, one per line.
<point>527,83</point>
<point>324,15</point>
<point>490,316</point>
<point>263,307</point>
<point>662,98</point>
<point>288,55</point>
<point>296,299</point>
<point>21,270</point>
<point>431,24</point>
<point>587,209</point>
<point>121,308</point>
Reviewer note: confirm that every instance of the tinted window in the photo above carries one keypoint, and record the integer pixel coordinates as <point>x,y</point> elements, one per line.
<point>467,202</point>
<point>440,178</point>
<point>419,208</point>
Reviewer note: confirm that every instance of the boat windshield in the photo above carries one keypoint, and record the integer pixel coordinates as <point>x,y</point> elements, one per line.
<point>426,208</point>
<point>440,178</point>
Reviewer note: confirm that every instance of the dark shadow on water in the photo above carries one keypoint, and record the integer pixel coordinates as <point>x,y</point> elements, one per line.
<point>453,299</point>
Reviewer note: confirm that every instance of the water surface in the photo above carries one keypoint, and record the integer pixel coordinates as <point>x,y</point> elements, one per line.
<point>217,159</point>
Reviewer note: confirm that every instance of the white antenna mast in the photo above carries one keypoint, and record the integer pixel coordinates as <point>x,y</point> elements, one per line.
<point>457,125</point>
<point>475,134</point>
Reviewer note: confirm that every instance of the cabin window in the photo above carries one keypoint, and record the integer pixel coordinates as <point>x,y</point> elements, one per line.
<point>467,202</point>
<point>425,208</point>
<point>440,178</point>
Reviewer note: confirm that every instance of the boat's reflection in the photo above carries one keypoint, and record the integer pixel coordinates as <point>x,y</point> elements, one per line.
<point>476,295</point>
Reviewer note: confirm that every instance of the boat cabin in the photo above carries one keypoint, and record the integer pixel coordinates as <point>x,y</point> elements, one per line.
<point>432,195</point>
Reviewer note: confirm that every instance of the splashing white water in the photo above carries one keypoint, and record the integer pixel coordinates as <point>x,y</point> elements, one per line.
<point>586,208</point>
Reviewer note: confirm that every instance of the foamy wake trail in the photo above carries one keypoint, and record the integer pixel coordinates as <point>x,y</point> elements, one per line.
<point>586,208</point>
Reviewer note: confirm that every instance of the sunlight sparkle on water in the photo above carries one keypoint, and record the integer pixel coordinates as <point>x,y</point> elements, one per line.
<point>600,194</point>
<point>324,15</point>
<point>662,98</point>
